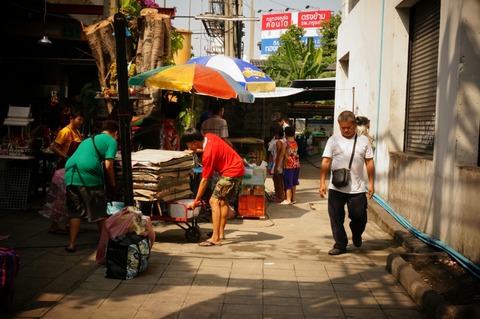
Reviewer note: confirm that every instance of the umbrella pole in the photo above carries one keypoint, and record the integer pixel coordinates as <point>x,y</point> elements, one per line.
<point>124,116</point>
<point>263,119</point>
<point>192,118</point>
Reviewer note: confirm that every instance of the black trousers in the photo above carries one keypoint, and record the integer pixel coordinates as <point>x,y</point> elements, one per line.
<point>357,213</point>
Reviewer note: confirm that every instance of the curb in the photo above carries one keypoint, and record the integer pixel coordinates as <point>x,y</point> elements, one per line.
<point>432,304</point>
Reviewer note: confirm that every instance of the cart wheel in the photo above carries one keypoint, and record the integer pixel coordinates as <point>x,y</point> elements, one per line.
<point>193,234</point>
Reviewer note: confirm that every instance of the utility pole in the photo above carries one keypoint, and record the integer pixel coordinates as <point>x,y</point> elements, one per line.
<point>229,30</point>
<point>251,53</point>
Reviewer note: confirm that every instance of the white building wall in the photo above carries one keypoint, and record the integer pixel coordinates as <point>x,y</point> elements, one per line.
<point>373,57</point>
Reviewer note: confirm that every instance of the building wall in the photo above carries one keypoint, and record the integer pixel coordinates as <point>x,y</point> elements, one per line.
<point>435,196</point>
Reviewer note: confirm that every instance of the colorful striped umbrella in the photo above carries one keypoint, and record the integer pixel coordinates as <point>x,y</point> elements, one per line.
<point>247,74</point>
<point>193,78</point>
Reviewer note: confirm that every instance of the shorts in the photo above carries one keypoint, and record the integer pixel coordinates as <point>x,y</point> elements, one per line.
<point>290,177</point>
<point>86,202</point>
<point>227,188</point>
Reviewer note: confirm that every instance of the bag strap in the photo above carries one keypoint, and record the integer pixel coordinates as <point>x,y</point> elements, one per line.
<point>103,166</point>
<point>96,149</point>
<point>353,152</point>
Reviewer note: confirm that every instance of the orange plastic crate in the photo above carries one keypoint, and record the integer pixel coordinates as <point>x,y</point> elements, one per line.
<point>251,205</point>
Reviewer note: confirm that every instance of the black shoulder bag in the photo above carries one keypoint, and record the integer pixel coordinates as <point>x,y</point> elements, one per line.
<point>341,176</point>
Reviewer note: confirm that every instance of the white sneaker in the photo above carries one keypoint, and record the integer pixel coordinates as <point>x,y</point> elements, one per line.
<point>285,202</point>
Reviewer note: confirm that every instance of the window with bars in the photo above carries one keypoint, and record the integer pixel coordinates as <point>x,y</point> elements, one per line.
<point>422,78</point>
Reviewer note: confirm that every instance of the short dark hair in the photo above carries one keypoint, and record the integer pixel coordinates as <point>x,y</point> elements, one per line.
<point>74,113</point>
<point>110,126</point>
<point>289,131</point>
<point>191,135</point>
<point>278,130</point>
<point>215,107</point>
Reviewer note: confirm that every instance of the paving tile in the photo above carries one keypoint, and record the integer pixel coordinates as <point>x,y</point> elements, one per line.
<point>317,294</point>
<point>210,280</point>
<point>329,312</point>
<point>244,299</point>
<point>396,300</point>
<point>244,291</point>
<point>177,281</point>
<point>289,311</point>
<point>241,316</point>
<point>315,286</point>
<point>361,313</point>
<point>279,284</point>
<point>282,301</point>
<point>281,293</point>
<point>163,305</point>
<point>201,310</point>
<point>207,290</point>
<point>404,313</point>
<point>325,301</point>
<point>79,304</point>
<point>159,313</point>
<point>135,293</point>
<point>245,282</point>
<point>241,309</point>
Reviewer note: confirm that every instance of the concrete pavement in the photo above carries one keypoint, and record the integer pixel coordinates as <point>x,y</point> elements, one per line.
<point>277,267</point>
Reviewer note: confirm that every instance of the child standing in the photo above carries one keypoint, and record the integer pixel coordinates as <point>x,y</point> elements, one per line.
<point>291,167</point>
<point>277,148</point>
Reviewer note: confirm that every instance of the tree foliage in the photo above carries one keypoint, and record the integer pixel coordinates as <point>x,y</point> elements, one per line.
<point>328,40</point>
<point>296,59</point>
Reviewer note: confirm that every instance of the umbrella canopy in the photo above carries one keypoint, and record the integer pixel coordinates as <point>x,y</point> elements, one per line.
<point>247,74</point>
<point>193,78</point>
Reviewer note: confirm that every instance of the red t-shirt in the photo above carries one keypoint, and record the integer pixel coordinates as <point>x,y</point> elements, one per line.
<point>219,156</point>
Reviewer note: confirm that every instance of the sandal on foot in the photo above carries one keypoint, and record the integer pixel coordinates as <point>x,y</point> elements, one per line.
<point>207,243</point>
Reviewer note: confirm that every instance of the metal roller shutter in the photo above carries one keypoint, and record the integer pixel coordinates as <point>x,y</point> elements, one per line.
<point>422,82</point>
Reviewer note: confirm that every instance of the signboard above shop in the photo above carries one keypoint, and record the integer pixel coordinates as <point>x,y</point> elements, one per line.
<point>276,24</point>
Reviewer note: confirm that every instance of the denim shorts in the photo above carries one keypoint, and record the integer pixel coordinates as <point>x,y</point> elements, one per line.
<point>86,202</point>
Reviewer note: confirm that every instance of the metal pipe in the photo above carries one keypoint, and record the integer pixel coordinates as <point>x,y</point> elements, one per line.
<point>124,115</point>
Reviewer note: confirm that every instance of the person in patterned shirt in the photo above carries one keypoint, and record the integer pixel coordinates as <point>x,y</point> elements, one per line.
<point>170,138</point>
<point>291,167</point>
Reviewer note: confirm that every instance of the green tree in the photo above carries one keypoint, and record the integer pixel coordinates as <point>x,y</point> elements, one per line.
<point>329,34</point>
<point>279,65</point>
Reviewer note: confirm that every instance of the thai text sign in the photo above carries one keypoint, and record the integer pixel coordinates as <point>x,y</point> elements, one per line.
<point>276,21</point>
<point>275,24</point>
<point>313,19</point>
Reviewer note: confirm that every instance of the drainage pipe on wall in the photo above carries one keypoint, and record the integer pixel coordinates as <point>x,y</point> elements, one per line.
<point>464,262</point>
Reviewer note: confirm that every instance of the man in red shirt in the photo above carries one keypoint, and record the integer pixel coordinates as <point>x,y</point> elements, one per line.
<point>217,156</point>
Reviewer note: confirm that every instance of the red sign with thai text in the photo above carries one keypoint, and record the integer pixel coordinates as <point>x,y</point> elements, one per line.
<point>276,21</point>
<point>313,19</point>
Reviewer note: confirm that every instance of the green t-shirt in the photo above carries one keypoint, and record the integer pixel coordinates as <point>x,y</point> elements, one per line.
<point>84,167</point>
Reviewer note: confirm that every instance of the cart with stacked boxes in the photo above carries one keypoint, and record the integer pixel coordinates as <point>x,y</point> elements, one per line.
<point>162,189</point>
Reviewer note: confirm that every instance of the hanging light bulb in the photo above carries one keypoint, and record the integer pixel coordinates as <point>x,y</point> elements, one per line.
<point>44,40</point>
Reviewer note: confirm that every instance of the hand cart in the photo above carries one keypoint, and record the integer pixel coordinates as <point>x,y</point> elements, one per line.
<point>178,212</point>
